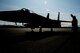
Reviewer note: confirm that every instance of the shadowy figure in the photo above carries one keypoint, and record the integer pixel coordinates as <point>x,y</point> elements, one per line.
<point>74,23</point>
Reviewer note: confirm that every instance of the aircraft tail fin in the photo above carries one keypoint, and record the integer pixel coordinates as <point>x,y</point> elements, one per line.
<point>48,16</point>
<point>59,23</point>
<point>58,16</point>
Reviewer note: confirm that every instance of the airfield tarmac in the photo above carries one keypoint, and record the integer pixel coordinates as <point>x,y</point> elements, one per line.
<point>13,40</point>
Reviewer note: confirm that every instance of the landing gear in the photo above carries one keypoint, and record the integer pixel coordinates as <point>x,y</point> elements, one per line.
<point>40,30</point>
<point>32,30</point>
<point>23,24</point>
<point>16,23</point>
<point>51,30</point>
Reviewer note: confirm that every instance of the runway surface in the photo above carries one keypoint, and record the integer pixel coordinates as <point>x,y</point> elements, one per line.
<point>34,42</point>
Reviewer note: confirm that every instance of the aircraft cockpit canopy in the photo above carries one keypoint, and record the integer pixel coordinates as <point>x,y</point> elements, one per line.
<point>25,10</point>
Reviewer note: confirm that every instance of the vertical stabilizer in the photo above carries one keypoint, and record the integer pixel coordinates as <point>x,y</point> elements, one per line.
<point>59,23</point>
<point>58,16</point>
<point>48,16</point>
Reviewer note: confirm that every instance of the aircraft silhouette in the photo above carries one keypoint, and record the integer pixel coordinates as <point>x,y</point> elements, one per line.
<point>32,20</point>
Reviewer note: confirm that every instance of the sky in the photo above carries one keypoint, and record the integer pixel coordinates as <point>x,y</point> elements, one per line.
<point>42,7</point>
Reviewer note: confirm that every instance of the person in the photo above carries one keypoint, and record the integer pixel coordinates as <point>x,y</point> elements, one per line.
<point>74,23</point>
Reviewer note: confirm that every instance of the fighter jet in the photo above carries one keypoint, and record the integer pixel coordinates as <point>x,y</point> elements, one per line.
<point>32,20</point>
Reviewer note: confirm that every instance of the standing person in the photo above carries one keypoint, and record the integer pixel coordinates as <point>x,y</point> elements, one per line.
<point>74,23</point>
